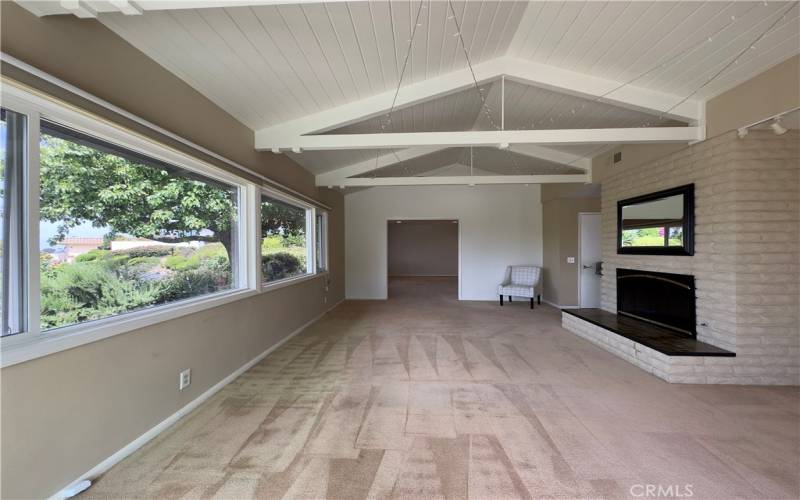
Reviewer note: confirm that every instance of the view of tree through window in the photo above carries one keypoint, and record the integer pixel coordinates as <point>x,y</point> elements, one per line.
<point>284,250</point>
<point>653,237</point>
<point>121,231</point>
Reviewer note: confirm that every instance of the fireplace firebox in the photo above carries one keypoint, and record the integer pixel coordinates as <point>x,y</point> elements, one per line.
<point>664,299</point>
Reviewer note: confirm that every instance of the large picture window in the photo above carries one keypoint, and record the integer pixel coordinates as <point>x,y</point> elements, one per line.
<point>103,231</point>
<point>12,216</point>
<point>120,231</point>
<point>284,240</point>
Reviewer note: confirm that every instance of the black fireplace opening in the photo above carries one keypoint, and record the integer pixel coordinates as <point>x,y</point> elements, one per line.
<point>665,299</point>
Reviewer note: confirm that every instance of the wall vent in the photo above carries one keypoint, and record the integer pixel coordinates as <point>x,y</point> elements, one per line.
<point>617,157</point>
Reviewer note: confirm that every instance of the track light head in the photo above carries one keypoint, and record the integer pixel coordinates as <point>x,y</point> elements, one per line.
<point>777,127</point>
<point>742,132</point>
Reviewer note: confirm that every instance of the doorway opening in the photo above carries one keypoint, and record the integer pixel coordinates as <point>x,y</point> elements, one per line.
<point>422,258</point>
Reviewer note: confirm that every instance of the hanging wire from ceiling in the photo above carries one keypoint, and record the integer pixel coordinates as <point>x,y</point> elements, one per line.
<point>388,115</point>
<point>679,56</point>
<point>735,60</point>
<point>486,110</point>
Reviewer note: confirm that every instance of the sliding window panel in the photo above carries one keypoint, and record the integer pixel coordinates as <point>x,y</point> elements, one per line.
<point>286,243</point>
<point>121,231</point>
<point>13,138</point>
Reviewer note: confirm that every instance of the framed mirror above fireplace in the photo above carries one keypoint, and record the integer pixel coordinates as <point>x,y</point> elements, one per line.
<point>660,223</point>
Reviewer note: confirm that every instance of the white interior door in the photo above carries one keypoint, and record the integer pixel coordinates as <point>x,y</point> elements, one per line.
<point>590,255</point>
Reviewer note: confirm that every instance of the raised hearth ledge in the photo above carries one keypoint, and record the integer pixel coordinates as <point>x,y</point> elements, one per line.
<point>673,369</point>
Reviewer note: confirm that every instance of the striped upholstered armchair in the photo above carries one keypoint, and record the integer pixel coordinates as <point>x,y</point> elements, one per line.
<point>521,281</point>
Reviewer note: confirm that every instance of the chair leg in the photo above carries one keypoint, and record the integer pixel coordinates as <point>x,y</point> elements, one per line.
<point>539,299</point>
<point>531,302</point>
<point>509,299</point>
<point>501,299</point>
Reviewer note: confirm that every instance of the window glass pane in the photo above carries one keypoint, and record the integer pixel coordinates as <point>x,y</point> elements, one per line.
<point>121,232</point>
<point>284,249</point>
<point>13,142</point>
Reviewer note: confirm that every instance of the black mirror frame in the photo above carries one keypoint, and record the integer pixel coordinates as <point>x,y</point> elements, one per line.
<point>688,222</point>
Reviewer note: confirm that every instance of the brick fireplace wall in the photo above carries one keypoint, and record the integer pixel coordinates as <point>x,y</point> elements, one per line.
<point>747,250</point>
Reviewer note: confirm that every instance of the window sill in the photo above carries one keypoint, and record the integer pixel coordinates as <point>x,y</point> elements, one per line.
<point>277,285</point>
<point>20,348</point>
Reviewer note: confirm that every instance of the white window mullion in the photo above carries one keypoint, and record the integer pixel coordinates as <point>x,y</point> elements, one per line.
<point>311,237</point>
<point>251,210</point>
<point>32,231</point>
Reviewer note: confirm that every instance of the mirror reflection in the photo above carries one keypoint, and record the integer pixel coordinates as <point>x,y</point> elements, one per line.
<point>655,223</point>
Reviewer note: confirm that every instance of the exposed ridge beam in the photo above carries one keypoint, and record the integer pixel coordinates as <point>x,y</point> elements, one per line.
<point>376,105</point>
<point>466,180</point>
<point>497,138</point>
<point>335,176</point>
<point>583,85</point>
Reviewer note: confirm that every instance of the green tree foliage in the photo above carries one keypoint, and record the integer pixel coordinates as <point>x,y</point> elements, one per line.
<point>81,184</point>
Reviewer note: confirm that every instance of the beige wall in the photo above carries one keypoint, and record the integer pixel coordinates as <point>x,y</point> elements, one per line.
<point>65,413</point>
<point>423,248</point>
<point>561,238</point>
<point>774,91</point>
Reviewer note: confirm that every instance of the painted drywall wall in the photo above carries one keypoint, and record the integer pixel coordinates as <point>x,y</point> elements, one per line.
<point>65,413</point>
<point>773,91</point>
<point>423,248</point>
<point>561,241</point>
<point>499,225</point>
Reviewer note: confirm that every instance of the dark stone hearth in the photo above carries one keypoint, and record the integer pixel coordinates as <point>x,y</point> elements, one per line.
<point>660,339</point>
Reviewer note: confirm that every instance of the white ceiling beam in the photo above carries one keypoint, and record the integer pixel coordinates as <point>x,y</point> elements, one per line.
<point>127,7</point>
<point>553,155</point>
<point>466,180</point>
<point>529,73</point>
<point>335,176</point>
<point>583,85</point>
<point>496,138</point>
<point>78,7</point>
<point>370,107</point>
<point>52,8</point>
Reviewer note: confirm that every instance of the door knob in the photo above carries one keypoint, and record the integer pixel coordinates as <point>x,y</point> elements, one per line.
<point>588,267</point>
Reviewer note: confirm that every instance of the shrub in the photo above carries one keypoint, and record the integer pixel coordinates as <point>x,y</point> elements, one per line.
<point>88,290</point>
<point>149,251</point>
<point>92,255</point>
<point>181,263</point>
<point>143,261</point>
<point>280,265</point>
<point>185,284</point>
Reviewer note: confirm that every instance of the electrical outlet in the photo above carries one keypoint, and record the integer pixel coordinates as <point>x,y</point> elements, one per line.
<point>570,260</point>
<point>184,379</point>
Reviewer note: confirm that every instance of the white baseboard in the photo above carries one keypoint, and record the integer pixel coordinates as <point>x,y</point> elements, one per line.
<point>137,443</point>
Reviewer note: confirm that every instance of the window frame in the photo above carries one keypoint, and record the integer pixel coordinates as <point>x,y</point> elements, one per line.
<point>311,262</point>
<point>33,342</point>
<point>322,232</point>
